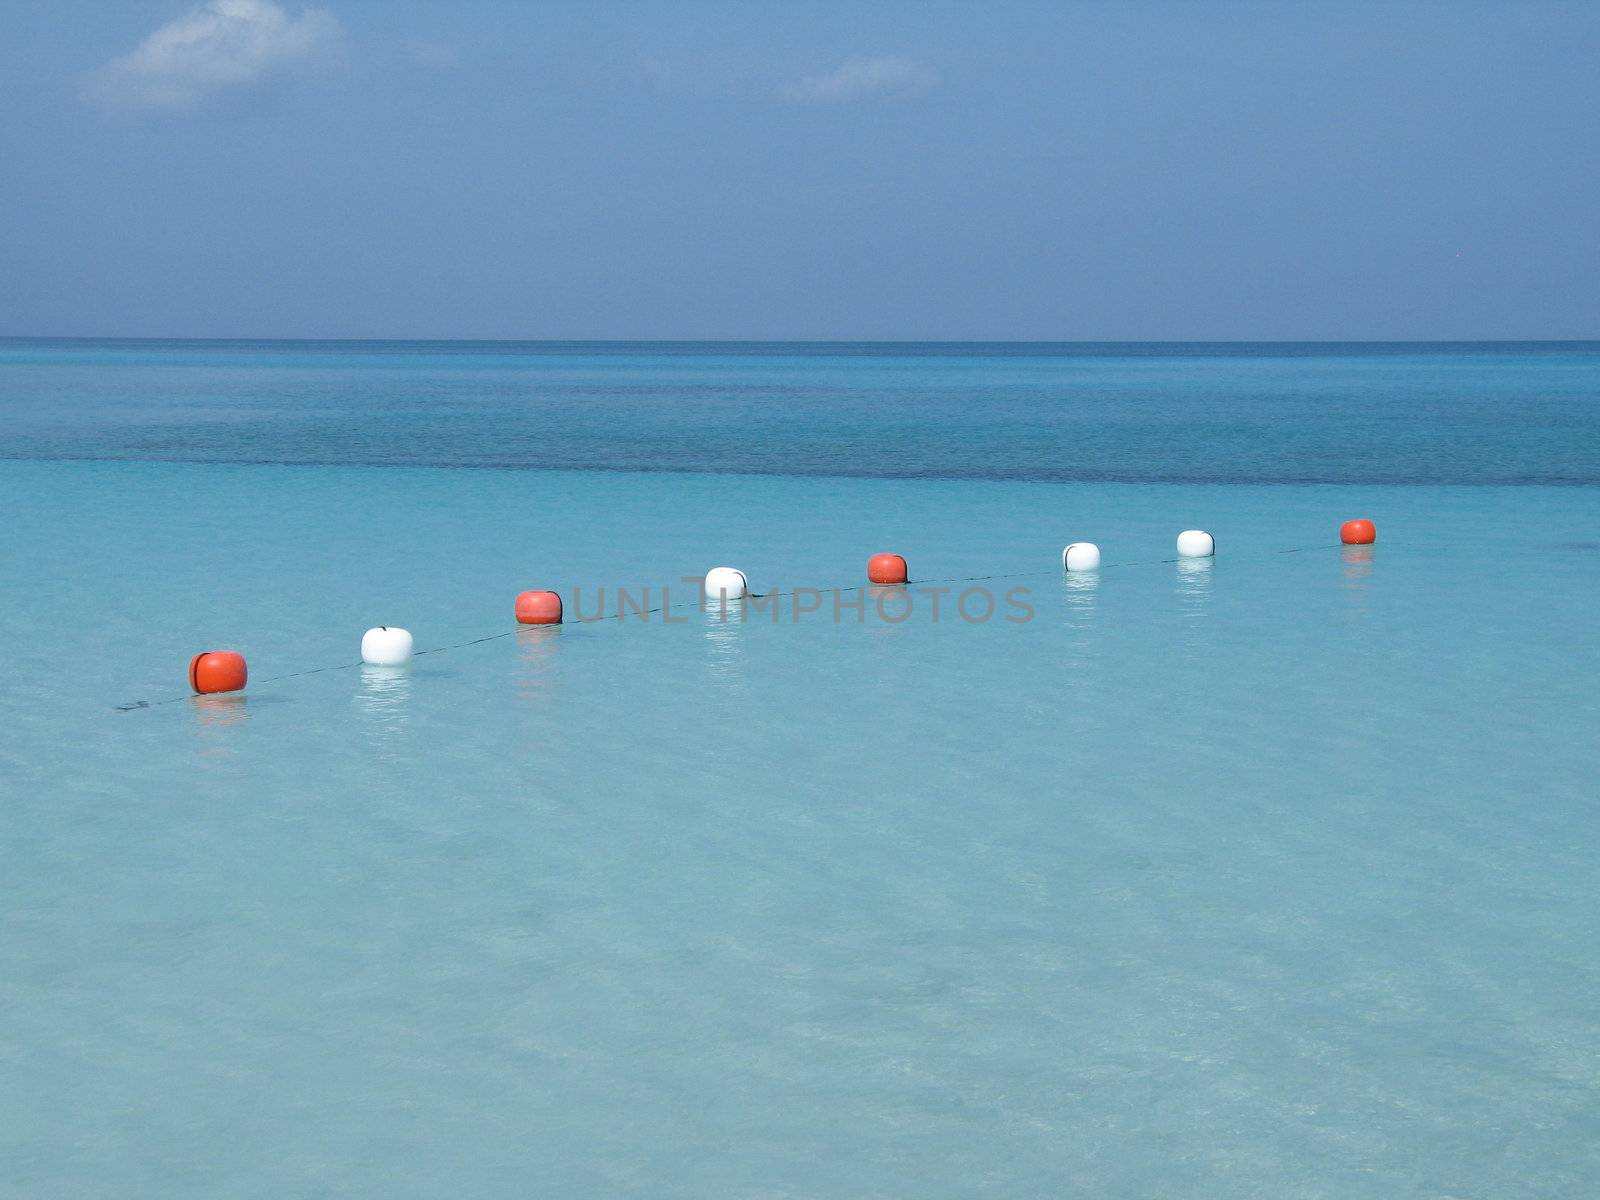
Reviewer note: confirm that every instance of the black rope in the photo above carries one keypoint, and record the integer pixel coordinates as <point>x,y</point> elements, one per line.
<point>622,614</point>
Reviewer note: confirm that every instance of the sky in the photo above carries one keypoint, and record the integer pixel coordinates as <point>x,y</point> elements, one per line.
<point>1189,170</point>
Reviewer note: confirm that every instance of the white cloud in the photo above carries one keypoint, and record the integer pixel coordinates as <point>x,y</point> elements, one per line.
<point>223,43</point>
<point>857,78</point>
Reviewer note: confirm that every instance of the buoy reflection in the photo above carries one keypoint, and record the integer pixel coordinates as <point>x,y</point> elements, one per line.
<point>217,719</point>
<point>538,648</point>
<point>1194,584</point>
<point>1357,565</point>
<point>724,636</point>
<point>384,697</point>
<point>1081,589</point>
<point>221,711</point>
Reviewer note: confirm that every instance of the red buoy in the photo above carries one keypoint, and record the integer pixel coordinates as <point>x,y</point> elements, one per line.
<point>886,568</point>
<point>1358,533</point>
<point>217,671</point>
<point>539,608</point>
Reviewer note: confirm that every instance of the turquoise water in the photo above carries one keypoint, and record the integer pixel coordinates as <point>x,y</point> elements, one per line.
<point>1274,876</point>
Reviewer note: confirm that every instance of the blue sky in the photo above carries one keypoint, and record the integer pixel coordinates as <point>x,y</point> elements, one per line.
<point>748,170</point>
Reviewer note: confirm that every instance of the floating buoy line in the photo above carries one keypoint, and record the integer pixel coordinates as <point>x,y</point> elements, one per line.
<point>220,671</point>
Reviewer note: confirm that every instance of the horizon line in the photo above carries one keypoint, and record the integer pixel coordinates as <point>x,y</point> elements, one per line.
<point>754,341</point>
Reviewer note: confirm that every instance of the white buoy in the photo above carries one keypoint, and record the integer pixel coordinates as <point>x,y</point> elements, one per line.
<point>386,646</point>
<point>1081,556</point>
<point>726,583</point>
<point>1196,543</point>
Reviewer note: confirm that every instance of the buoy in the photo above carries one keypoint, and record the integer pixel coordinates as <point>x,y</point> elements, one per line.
<point>886,568</point>
<point>1358,533</point>
<point>217,671</point>
<point>539,608</point>
<point>726,583</point>
<point>386,646</point>
<point>1196,543</point>
<point>1081,556</point>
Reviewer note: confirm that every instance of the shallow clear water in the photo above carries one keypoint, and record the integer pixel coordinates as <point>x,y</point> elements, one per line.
<point>1273,876</point>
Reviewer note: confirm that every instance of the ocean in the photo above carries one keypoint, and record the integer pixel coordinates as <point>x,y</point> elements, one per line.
<point>1268,875</point>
